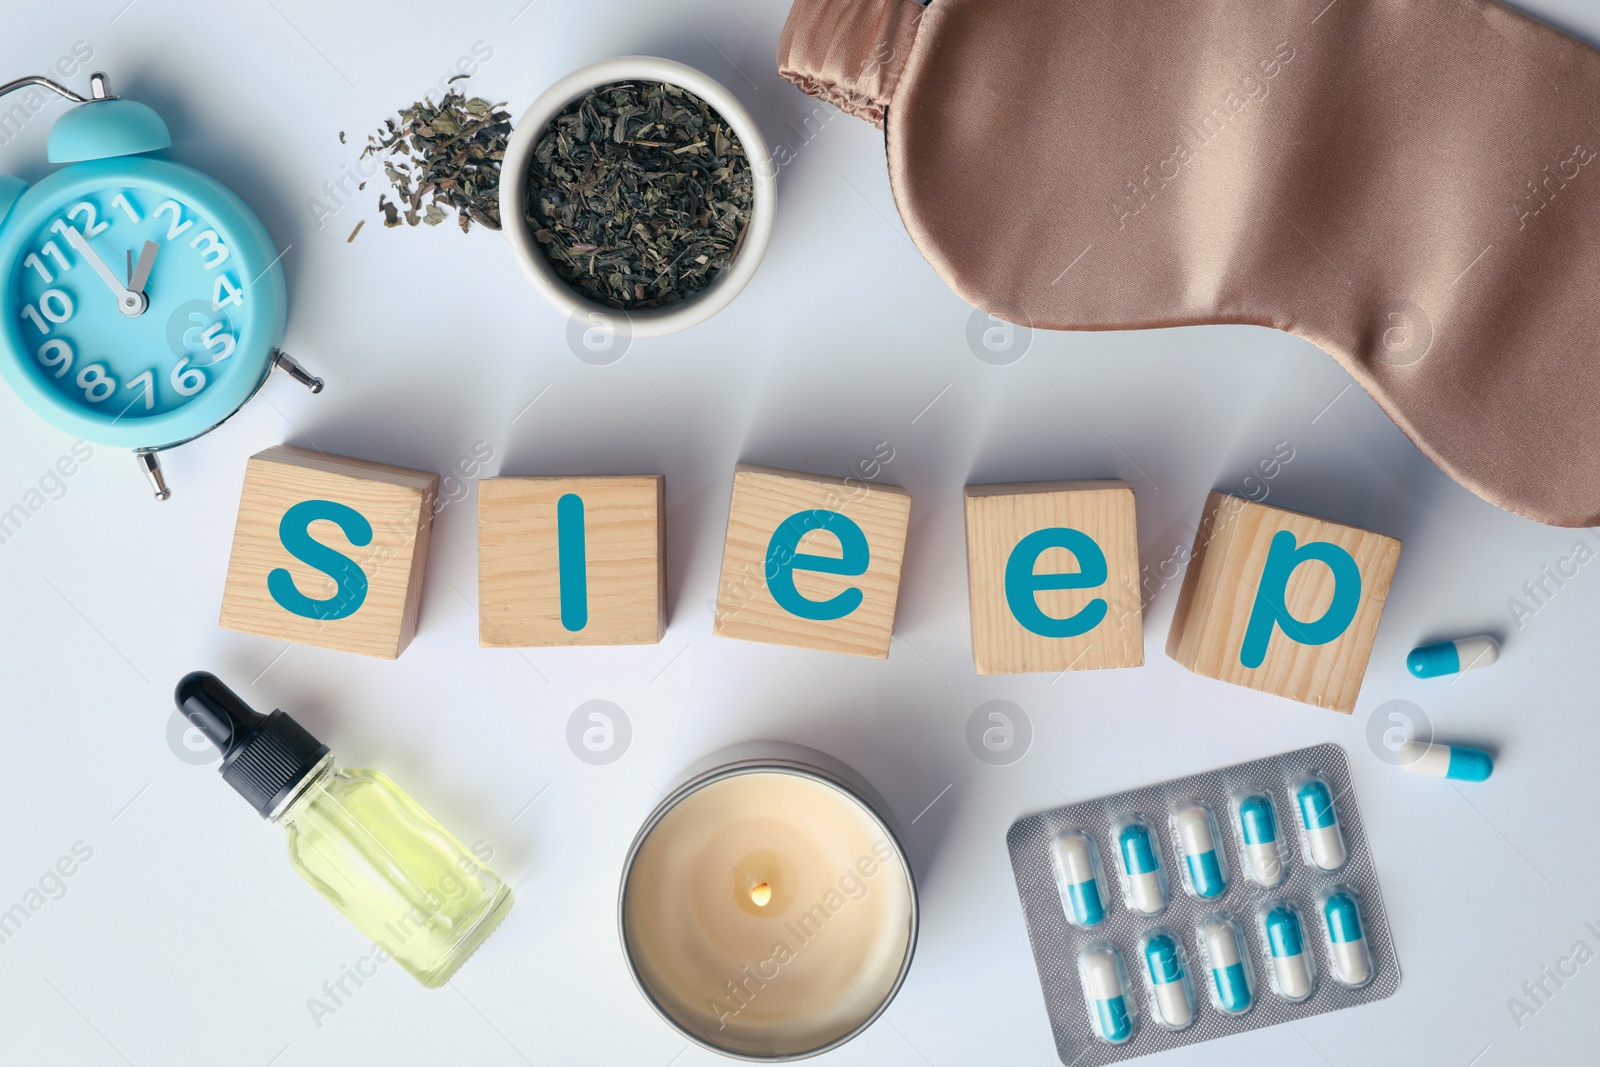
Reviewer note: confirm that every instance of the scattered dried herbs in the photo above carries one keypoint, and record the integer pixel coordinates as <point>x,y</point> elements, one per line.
<point>638,194</point>
<point>444,155</point>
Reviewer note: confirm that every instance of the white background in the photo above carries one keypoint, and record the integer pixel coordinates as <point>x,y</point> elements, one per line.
<point>187,939</point>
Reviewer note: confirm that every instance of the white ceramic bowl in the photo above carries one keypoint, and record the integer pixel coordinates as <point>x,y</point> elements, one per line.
<point>646,322</point>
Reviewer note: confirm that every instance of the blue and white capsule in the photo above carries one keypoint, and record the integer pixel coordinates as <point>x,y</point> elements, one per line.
<point>1078,879</point>
<point>1453,657</point>
<point>1170,997</point>
<point>1106,989</point>
<point>1258,830</point>
<point>1144,882</point>
<point>1446,761</point>
<point>1352,962</point>
<point>1320,823</point>
<point>1291,963</point>
<point>1202,860</point>
<point>1230,978</point>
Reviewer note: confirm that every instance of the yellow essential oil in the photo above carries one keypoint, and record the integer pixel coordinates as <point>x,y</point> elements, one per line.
<point>367,847</point>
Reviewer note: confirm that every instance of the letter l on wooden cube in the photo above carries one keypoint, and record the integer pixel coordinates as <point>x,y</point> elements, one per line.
<point>571,561</point>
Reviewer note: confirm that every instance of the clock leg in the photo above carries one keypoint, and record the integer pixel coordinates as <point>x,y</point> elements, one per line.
<point>287,364</point>
<point>151,465</point>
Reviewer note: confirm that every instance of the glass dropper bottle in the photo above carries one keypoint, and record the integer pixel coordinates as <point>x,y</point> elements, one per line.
<point>367,847</point>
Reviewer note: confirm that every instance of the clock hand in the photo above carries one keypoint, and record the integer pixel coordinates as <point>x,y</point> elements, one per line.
<point>128,301</point>
<point>141,270</point>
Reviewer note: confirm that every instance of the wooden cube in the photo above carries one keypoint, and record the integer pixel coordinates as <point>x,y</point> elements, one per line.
<point>329,551</point>
<point>1053,577</point>
<point>812,562</point>
<point>1282,602</point>
<point>571,561</point>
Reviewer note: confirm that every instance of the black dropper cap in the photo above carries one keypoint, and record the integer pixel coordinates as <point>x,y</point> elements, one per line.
<point>263,756</point>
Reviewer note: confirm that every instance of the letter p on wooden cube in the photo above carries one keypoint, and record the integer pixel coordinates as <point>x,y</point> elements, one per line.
<point>1053,577</point>
<point>329,551</point>
<point>812,562</point>
<point>1282,602</point>
<point>571,561</point>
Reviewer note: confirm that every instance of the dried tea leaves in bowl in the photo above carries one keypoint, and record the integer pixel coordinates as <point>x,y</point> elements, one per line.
<point>638,194</point>
<point>444,157</point>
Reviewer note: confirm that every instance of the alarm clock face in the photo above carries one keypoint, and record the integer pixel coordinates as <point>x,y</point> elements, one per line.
<point>143,301</point>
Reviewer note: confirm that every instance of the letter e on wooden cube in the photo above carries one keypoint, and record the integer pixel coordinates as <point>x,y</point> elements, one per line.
<point>1053,577</point>
<point>812,562</point>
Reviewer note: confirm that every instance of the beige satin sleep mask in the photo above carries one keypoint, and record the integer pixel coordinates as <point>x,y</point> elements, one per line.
<point>1412,185</point>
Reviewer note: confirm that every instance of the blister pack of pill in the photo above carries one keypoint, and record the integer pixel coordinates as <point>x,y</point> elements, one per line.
<point>1203,907</point>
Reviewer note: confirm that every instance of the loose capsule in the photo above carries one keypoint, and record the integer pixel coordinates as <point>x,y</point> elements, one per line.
<point>1141,869</point>
<point>1259,829</point>
<point>1446,761</point>
<point>1076,876</point>
<point>1199,846</point>
<point>1453,657</point>
<point>1291,966</point>
<point>1352,963</point>
<point>1230,984</point>
<point>1169,991</point>
<point>1321,824</point>
<point>1101,973</point>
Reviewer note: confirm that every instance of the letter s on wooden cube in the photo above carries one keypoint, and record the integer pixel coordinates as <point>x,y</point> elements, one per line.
<point>329,551</point>
<point>1053,577</point>
<point>1282,602</point>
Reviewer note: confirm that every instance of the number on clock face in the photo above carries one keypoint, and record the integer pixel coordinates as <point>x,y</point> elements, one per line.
<point>75,275</point>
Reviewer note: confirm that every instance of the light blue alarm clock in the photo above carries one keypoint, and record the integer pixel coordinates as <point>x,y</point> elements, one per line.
<point>144,302</point>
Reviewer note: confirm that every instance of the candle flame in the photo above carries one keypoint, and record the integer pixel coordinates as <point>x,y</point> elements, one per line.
<point>761,894</point>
